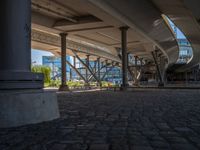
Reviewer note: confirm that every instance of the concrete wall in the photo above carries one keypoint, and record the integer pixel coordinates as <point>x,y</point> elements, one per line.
<point>27,107</point>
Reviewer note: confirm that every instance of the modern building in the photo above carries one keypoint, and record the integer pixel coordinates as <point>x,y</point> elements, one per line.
<point>55,64</point>
<point>185,48</point>
<point>185,53</point>
<point>113,73</point>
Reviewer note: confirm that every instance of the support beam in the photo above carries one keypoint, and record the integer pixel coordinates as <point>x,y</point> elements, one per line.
<point>161,83</point>
<point>74,61</point>
<point>88,68</point>
<point>79,21</point>
<point>128,68</point>
<point>99,71</point>
<point>63,86</point>
<point>95,66</point>
<point>106,65</point>
<point>52,40</point>
<point>107,71</point>
<point>86,71</point>
<point>76,70</point>
<point>51,9</point>
<point>93,29</point>
<point>124,56</point>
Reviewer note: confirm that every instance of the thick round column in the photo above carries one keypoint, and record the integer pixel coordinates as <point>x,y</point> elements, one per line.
<point>15,46</point>
<point>15,29</point>
<point>20,107</point>
<point>124,56</point>
<point>63,86</point>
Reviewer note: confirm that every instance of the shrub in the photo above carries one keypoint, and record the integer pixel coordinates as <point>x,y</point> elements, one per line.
<point>43,69</point>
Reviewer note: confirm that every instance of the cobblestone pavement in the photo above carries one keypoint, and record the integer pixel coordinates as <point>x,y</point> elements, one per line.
<point>138,120</point>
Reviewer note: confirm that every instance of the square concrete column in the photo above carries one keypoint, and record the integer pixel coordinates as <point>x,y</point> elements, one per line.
<point>22,100</point>
<point>124,56</point>
<point>63,86</point>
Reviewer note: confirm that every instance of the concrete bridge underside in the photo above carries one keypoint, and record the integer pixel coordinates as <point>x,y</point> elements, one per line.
<point>98,22</point>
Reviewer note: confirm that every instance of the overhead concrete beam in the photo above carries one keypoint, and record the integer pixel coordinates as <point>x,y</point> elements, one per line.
<point>152,26</point>
<point>53,8</point>
<point>79,20</point>
<point>54,40</point>
<point>89,29</point>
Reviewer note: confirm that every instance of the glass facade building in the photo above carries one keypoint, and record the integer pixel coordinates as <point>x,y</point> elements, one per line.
<point>55,64</point>
<point>113,73</point>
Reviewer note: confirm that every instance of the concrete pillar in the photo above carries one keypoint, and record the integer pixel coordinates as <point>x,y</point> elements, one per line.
<point>161,83</point>
<point>124,56</point>
<point>22,100</point>
<point>163,68</point>
<point>86,71</point>
<point>15,46</point>
<point>63,86</point>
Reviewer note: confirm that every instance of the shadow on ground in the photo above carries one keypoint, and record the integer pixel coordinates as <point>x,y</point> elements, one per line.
<point>106,120</point>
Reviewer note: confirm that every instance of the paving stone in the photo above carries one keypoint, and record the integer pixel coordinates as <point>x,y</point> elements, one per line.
<point>119,147</point>
<point>180,140</point>
<point>58,147</point>
<point>141,147</point>
<point>99,147</point>
<point>160,144</point>
<point>115,121</point>
<point>183,147</point>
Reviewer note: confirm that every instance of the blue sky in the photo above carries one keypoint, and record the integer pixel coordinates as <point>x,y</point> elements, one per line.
<point>179,34</point>
<point>36,56</point>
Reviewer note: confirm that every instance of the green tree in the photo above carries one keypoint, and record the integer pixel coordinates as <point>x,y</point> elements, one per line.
<point>43,69</point>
